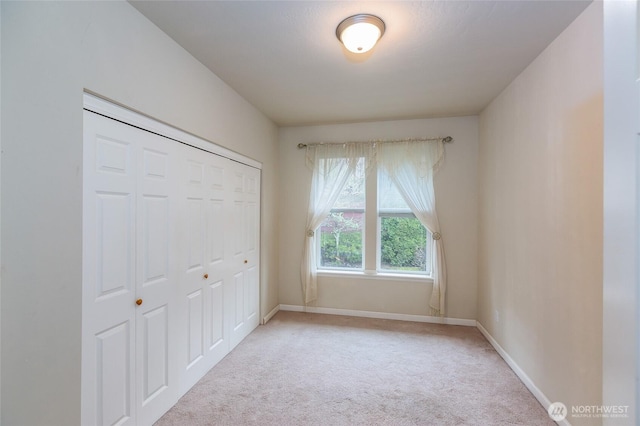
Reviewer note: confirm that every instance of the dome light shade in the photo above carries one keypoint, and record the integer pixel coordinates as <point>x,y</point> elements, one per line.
<point>359,33</point>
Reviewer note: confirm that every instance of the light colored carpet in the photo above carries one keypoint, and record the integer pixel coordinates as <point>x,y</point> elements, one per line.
<point>310,369</point>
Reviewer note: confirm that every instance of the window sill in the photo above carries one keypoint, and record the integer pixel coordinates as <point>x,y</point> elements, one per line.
<point>373,275</point>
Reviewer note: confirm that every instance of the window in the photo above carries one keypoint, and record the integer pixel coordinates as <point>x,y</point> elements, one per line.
<point>403,242</point>
<point>342,232</point>
<point>402,245</point>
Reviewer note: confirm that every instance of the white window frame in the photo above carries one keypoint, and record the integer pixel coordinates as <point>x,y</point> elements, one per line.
<point>371,243</point>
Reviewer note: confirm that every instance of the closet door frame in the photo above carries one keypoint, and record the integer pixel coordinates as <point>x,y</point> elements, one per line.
<point>112,110</point>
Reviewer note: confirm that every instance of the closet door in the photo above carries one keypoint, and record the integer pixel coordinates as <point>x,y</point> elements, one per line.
<point>204,284</point>
<point>156,276</point>
<point>128,364</point>
<point>244,235</point>
<point>170,266</point>
<point>109,290</point>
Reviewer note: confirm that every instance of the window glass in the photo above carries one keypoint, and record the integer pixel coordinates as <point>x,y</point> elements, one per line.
<point>389,197</point>
<point>404,243</point>
<point>342,232</point>
<point>353,193</point>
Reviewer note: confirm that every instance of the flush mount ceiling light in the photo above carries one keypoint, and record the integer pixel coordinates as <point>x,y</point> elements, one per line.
<point>359,33</point>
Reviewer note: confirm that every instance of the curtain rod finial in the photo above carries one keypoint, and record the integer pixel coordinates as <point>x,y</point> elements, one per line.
<point>302,145</point>
<point>447,139</point>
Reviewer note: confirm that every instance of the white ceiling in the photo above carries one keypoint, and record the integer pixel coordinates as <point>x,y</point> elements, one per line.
<point>437,58</point>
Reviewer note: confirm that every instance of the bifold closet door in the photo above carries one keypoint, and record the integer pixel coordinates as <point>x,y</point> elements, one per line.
<point>204,281</point>
<point>244,235</point>
<point>129,373</point>
<point>170,267</point>
<point>219,286</point>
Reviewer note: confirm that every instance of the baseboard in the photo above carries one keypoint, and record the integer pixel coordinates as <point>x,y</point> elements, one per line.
<point>380,315</point>
<point>541,397</point>
<point>270,315</point>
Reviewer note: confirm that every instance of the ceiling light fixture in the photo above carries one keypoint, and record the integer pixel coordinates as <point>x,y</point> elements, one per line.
<point>359,33</point>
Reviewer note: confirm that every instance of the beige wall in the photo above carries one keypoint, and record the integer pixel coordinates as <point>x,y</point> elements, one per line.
<point>51,52</point>
<point>540,207</point>
<point>456,199</point>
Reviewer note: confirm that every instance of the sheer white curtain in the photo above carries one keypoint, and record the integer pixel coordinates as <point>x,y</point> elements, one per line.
<point>332,165</point>
<point>410,166</point>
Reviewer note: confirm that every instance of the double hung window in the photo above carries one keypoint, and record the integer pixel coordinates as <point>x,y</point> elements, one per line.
<point>402,245</point>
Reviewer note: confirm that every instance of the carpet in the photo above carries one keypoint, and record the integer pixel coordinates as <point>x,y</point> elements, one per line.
<point>312,369</point>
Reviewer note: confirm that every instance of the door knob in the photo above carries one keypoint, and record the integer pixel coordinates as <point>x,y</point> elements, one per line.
<point>246,261</point>
<point>206,276</point>
<point>139,302</point>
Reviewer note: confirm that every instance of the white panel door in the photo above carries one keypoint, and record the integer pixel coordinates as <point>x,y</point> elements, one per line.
<point>109,289</point>
<point>193,272</point>
<point>203,285</point>
<point>170,268</point>
<point>245,240</point>
<point>156,276</point>
<point>215,288</point>
<point>128,365</point>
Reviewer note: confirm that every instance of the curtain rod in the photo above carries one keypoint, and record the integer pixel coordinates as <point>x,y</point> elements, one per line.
<point>446,139</point>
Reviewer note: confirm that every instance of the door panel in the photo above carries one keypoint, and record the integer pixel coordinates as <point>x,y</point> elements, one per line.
<point>113,156</point>
<point>195,223</point>
<point>196,172</point>
<point>238,182</point>
<point>239,228</point>
<point>195,327</point>
<point>251,225</point>
<point>155,240</point>
<point>238,286</point>
<point>216,307</point>
<point>252,294</point>
<point>114,376</point>
<point>155,353</point>
<point>215,234</point>
<point>251,184</point>
<point>114,244</point>
<point>155,164</point>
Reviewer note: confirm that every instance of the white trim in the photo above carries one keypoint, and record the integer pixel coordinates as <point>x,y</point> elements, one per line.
<point>117,112</point>
<point>270,314</point>
<point>621,200</point>
<point>380,315</point>
<point>541,397</point>
<point>374,275</point>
